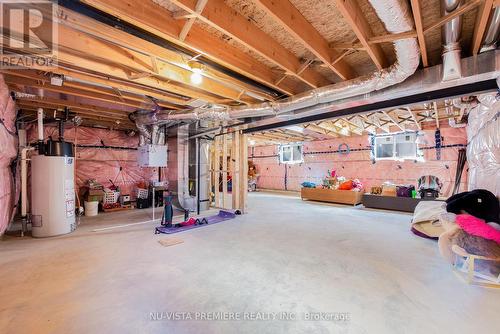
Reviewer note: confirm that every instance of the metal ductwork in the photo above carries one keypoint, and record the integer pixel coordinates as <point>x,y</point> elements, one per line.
<point>491,36</point>
<point>397,18</point>
<point>178,168</point>
<point>451,41</point>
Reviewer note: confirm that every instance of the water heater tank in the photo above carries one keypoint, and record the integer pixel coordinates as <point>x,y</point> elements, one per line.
<point>52,195</point>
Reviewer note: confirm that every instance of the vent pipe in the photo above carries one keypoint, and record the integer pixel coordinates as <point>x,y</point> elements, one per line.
<point>491,37</point>
<point>451,41</point>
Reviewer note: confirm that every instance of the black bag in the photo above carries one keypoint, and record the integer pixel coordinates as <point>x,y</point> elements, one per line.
<point>142,203</point>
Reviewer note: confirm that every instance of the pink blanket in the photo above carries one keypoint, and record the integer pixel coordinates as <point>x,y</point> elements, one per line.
<point>478,227</point>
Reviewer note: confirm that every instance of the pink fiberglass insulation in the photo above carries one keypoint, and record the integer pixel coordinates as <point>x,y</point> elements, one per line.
<point>358,163</point>
<point>117,162</point>
<point>8,152</point>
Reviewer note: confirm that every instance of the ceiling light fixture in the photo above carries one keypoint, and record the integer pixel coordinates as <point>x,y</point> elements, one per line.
<point>197,69</point>
<point>196,78</point>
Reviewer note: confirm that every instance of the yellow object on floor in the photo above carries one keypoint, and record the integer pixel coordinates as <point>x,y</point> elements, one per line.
<point>170,241</point>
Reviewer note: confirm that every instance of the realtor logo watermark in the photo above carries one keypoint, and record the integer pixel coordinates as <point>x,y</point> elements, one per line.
<point>28,34</point>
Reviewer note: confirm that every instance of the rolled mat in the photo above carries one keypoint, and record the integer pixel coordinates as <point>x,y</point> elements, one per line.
<point>220,217</point>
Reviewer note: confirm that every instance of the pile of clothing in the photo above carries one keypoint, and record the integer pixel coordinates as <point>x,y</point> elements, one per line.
<point>335,182</point>
<point>469,221</point>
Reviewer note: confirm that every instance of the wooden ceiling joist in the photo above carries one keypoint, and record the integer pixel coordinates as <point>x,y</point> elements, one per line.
<point>43,81</point>
<point>120,85</point>
<point>415,119</point>
<point>220,16</point>
<point>354,16</point>
<point>417,16</point>
<point>284,12</point>
<point>287,135</point>
<point>11,80</point>
<point>190,20</point>
<point>482,17</point>
<point>60,104</point>
<point>459,11</point>
<point>394,120</point>
<point>77,43</point>
<point>329,126</point>
<point>320,130</point>
<point>159,21</point>
<point>83,113</point>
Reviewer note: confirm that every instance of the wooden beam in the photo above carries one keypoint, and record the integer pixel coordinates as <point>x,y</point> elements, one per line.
<point>220,16</point>
<point>157,53</point>
<point>224,171</point>
<point>159,21</point>
<point>459,11</point>
<point>320,130</point>
<point>75,50</point>
<point>126,55</point>
<point>123,86</point>
<point>235,169</point>
<point>278,133</point>
<point>243,193</point>
<point>284,12</point>
<point>436,114</point>
<point>329,126</point>
<point>389,38</point>
<point>217,171</point>
<point>417,16</point>
<point>72,91</point>
<point>83,114</point>
<point>394,120</point>
<point>482,17</point>
<point>44,80</point>
<point>190,21</point>
<point>60,103</point>
<point>347,46</point>
<point>354,16</point>
<point>415,120</point>
<point>356,128</point>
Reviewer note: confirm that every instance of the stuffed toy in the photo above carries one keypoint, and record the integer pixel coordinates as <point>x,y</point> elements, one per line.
<point>357,185</point>
<point>480,203</point>
<point>472,234</point>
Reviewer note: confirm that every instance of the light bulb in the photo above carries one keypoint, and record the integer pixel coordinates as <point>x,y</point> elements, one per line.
<point>196,78</point>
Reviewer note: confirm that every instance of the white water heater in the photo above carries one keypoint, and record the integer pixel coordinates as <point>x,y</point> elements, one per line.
<point>52,195</point>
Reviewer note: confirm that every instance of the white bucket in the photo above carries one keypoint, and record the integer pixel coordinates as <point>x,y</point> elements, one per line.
<point>91,208</point>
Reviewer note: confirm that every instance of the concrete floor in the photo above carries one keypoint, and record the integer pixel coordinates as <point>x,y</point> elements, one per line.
<point>284,256</point>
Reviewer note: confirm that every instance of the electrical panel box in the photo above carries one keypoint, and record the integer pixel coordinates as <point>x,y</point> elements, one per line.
<point>152,155</point>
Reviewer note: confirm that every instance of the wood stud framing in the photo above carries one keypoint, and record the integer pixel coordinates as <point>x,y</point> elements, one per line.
<point>354,16</point>
<point>483,14</point>
<point>232,162</point>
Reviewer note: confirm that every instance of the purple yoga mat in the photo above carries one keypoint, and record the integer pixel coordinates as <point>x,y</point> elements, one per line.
<point>222,216</point>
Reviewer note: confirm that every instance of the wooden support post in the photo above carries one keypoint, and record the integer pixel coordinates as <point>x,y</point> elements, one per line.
<point>217,172</point>
<point>236,171</point>
<point>436,114</point>
<point>224,171</point>
<point>244,172</point>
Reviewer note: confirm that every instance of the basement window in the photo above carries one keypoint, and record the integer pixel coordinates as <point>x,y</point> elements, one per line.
<point>396,146</point>
<point>291,154</point>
